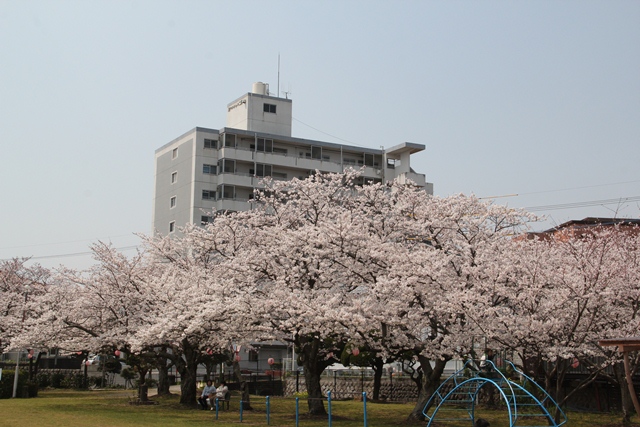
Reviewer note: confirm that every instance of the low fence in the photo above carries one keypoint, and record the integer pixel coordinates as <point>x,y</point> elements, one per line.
<point>218,407</point>
<point>396,389</point>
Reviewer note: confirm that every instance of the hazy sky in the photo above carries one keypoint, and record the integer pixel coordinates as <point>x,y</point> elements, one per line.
<point>536,98</point>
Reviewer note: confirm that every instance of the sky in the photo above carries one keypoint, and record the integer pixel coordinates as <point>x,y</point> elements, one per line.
<point>535,104</point>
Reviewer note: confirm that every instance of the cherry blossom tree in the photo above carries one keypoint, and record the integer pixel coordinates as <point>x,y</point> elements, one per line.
<point>195,310</point>
<point>304,272</point>
<point>378,265</point>
<point>92,311</point>
<point>421,304</point>
<point>21,289</point>
<point>550,301</point>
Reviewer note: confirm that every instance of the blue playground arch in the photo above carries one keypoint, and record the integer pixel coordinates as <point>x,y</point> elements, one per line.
<point>527,404</point>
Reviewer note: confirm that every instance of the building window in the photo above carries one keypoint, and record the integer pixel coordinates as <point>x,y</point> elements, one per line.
<point>263,170</point>
<point>174,177</point>
<point>269,108</point>
<point>174,153</point>
<point>204,219</point>
<point>173,202</point>
<point>368,159</point>
<point>210,143</point>
<point>227,166</point>
<point>172,226</point>
<point>226,191</point>
<point>229,140</point>
<point>265,145</point>
<point>209,169</point>
<point>208,195</point>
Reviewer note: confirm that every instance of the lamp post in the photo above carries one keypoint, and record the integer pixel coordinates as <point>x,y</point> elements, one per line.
<point>15,376</point>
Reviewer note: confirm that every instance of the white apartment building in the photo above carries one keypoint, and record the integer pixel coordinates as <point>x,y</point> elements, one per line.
<point>209,170</point>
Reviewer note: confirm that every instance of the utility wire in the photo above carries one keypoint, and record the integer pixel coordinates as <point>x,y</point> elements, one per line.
<point>574,205</point>
<point>577,188</point>
<point>62,243</point>
<point>123,248</point>
<point>328,134</point>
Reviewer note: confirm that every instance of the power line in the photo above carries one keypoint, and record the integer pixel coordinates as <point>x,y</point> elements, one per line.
<point>577,188</point>
<point>123,248</point>
<point>575,205</point>
<point>328,134</point>
<point>62,243</point>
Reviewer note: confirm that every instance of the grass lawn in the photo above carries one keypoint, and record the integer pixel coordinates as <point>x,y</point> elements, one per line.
<point>112,409</point>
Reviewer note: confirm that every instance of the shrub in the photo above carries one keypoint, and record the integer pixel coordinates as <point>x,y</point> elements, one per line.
<point>56,379</point>
<point>6,384</point>
<point>72,380</point>
<point>94,381</point>
<point>43,379</point>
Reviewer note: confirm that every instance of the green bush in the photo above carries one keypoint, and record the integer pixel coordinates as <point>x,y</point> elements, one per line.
<point>75,380</point>
<point>56,380</point>
<point>43,379</point>
<point>95,381</point>
<point>6,384</point>
<point>60,379</point>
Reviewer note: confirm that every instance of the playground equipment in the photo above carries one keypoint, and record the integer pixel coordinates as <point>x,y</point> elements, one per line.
<point>527,404</point>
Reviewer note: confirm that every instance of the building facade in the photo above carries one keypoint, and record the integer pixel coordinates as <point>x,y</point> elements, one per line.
<point>214,170</point>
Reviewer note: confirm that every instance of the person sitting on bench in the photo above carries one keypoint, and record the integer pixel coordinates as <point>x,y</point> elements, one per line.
<point>208,392</point>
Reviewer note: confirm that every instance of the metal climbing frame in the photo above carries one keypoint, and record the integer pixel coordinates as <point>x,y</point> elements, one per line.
<point>527,404</point>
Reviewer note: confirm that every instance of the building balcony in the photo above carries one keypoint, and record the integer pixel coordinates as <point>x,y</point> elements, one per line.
<point>418,179</point>
<point>237,179</point>
<point>234,205</point>
<point>285,160</point>
<point>236,154</point>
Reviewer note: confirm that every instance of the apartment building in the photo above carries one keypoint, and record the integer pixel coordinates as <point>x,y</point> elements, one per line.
<point>212,170</point>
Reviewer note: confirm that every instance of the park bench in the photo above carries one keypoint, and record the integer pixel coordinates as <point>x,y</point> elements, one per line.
<point>221,402</point>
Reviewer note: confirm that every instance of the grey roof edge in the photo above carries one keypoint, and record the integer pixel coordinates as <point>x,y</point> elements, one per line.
<point>194,130</point>
<point>302,141</point>
<point>411,146</point>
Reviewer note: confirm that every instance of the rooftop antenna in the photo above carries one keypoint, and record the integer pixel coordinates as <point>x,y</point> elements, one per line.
<point>278,92</point>
<point>287,92</point>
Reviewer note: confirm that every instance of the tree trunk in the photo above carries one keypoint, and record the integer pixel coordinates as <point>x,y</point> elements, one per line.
<point>188,369</point>
<point>314,390</point>
<point>377,366</point>
<point>246,400</point>
<point>161,362</point>
<point>142,387</point>
<point>86,376</point>
<point>430,383</point>
<point>308,358</point>
<point>163,376</point>
<point>244,387</point>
